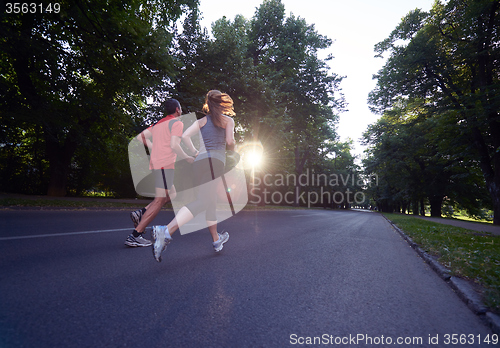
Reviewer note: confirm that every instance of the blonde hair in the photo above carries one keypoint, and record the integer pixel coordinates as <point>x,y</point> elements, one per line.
<point>216,105</point>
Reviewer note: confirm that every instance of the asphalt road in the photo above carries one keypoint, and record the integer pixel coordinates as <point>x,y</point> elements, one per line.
<point>283,279</point>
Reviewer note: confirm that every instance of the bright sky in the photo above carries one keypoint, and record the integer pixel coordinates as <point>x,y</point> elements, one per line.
<point>355,26</point>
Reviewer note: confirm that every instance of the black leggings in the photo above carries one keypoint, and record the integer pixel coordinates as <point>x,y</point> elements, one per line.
<point>205,173</point>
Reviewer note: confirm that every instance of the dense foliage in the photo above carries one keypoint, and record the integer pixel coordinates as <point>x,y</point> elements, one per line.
<point>74,86</point>
<point>284,95</point>
<point>439,93</point>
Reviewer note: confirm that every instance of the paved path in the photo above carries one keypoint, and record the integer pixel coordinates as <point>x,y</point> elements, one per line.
<point>284,277</point>
<point>475,226</point>
<point>481,227</point>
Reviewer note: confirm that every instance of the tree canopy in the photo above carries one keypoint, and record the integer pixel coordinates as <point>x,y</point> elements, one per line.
<point>285,96</point>
<point>411,152</point>
<point>73,83</point>
<point>74,87</point>
<point>447,62</point>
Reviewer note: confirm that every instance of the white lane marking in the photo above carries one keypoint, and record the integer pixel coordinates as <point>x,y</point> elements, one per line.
<point>68,233</point>
<point>62,234</point>
<point>96,231</point>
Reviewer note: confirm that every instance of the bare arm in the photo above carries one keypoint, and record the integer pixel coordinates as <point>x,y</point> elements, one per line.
<point>189,133</point>
<point>145,138</point>
<point>175,144</point>
<point>230,133</point>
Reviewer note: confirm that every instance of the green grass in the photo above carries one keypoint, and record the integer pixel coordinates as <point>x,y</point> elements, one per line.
<point>107,203</point>
<point>469,219</point>
<point>61,203</point>
<point>464,217</point>
<point>468,254</point>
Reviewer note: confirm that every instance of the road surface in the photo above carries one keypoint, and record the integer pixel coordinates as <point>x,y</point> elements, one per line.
<point>285,278</point>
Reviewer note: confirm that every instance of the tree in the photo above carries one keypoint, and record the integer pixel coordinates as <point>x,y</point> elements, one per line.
<point>284,95</point>
<point>449,59</point>
<point>284,51</point>
<point>79,76</point>
<point>414,163</point>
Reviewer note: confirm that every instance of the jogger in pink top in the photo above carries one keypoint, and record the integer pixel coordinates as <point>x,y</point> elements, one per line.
<point>163,141</point>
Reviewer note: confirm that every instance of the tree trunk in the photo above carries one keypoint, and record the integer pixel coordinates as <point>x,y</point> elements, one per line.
<point>494,190</point>
<point>436,203</point>
<point>414,207</point>
<point>59,156</point>
<point>494,184</point>
<point>490,168</point>
<point>299,168</point>
<point>58,180</point>
<point>262,201</point>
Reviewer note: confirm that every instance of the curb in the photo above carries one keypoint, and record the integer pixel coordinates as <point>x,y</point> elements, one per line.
<point>464,291</point>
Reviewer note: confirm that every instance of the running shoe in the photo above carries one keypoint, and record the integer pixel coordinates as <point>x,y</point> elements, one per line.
<point>161,240</point>
<point>136,217</point>
<point>137,241</point>
<point>223,238</point>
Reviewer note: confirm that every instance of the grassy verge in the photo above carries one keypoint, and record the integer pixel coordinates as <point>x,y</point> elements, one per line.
<point>87,203</point>
<point>469,219</point>
<point>61,203</point>
<point>468,254</point>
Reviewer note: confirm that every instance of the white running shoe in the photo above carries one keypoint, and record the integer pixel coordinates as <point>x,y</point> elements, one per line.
<point>223,238</point>
<point>161,240</point>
